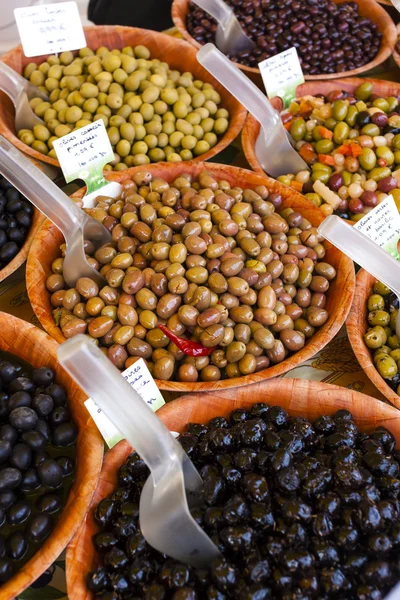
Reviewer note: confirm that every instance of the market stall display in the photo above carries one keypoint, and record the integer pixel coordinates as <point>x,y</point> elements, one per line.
<point>36,489</point>
<point>45,261</point>
<point>74,102</point>
<point>304,25</point>
<point>348,137</point>
<point>293,400</point>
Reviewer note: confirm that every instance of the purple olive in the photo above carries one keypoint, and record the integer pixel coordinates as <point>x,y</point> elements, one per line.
<point>335,182</point>
<point>369,199</point>
<point>380,119</point>
<point>387,184</point>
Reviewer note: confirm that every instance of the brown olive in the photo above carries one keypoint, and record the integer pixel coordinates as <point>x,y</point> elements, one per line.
<point>188,372</point>
<point>292,340</point>
<point>325,270</point>
<point>277,353</point>
<point>55,282</point>
<point>317,316</point>
<point>303,298</point>
<point>266,297</point>
<point>242,314</point>
<point>283,321</point>
<point>115,277</point>
<point>264,338</point>
<point>177,285</point>
<point>159,284</point>
<point>164,368</point>
<point>211,316</point>
<point>218,359</point>
<point>146,299</point>
<point>127,315</point>
<point>318,299</point>
<point>304,327</point>
<point>138,347</point>
<point>247,364</point>
<point>319,284</point>
<point>123,335</point>
<point>262,362</point>
<point>210,373</point>
<point>188,315</point>
<point>99,326</point>
<point>71,298</point>
<point>168,305</point>
<point>242,333</point>
<point>231,266</point>
<point>109,295</point>
<point>212,336</point>
<point>265,316</point>
<point>294,311</point>
<point>156,338</point>
<point>235,351</point>
<point>87,287</point>
<point>118,355</point>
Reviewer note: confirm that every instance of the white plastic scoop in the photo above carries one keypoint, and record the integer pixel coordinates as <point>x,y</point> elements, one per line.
<point>20,91</point>
<point>273,149</point>
<point>75,225</point>
<point>165,519</point>
<point>230,37</point>
<point>365,253</point>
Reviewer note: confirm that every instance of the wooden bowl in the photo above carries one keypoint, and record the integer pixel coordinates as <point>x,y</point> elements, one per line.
<point>396,55</point>
<point>176,52</point>
<point>45,249</point>
<point>357,325</point>
<point>29,343</point>
<point>251,128</point>
<point>367,8</point>
<point>17,261</point>
<point>299,397</point>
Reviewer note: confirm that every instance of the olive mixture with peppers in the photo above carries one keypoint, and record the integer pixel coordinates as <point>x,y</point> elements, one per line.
<point>351,143</point>
<point>152,112</point>
<point>381,337</point>
<point>225,267</point>
<point>329,37</point>
<point>298,510</point>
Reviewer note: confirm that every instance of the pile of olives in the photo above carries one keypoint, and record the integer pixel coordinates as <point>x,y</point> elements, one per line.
<point>220,265</point>
<point>36,467</point>
<point>298,510</point>
<point>381,337</point>
<point>352,144</point>
<point>152,113</point>
<point>16,214</point>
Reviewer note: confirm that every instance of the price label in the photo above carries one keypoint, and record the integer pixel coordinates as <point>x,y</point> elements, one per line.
<point>281,75</point>
<point>83,153</point>
<point>139,377</point>
<point>50,28</point>
<point>382,226</point>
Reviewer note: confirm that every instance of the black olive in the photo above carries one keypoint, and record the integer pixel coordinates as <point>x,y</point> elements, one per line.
<point>223,573</point>
<point>30,480</point>
<point>21,384</point>
<point>59,416</point>
<point>105,511</point>
<point>16,545</point>
<point>238,415</point>
<point>214,490</point>
<point>10,478</point>
<point>44,429</point>
<point>277,416</point>
<point>255,487</point>
<point>379,544</point>
<point>334,581</point>
<point>235,510</point>
<point>197,429</point>
<point>377,463</point>
<point>281,459</point>
<point>39,528</point>
<point>115,559</point>
<point>377,572</point>
<point>368,592</point>
<point>136,545</point>
<point>296,510</point>
<point>322,525</point>
<point>325,425</point>
<point>6,570</point>
<point>237,538</point>
<point>39,458</point>
<point>129,509</point>
<point>8,371</point>
<point>35,440</point>
<point>21,457</point>
<point>218,422</point>
<point>5,450</point>
<point>325,552</point>
<point>8,433</point>
<point>67,465</point>
<point>19,399</point>
<point>296,560</point>
<point>18,513</point>
<point>104,541</point>
<point>23,418</point>
<point>65,434</point>
<point>123,527</point>
<point>288,479</point>
<point>98,581</point>
<point>245,459</point>
<point>43,404</point>
<point>43,376</point>
<point>125,476</point>
<point>232,476</point>
<point>50,473</point>
<point>120,495</point>
<point>58,394</point>
<point>188,443</point>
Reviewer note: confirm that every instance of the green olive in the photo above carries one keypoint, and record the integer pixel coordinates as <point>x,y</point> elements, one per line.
<point>367,159</point>
<point>379,317</point>
<point>339,110</point>
<point>363,91</point>
<point>341,132</point>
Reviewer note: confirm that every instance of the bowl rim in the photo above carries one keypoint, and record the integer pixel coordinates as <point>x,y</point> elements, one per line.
<point>388,30</point>
<point>396,55</point>
<point>328,398</point>
<point>19,337</point>
<point>251,127</point>
<point>356,326</point>
<point>235,124</point>
<point>39,297</point>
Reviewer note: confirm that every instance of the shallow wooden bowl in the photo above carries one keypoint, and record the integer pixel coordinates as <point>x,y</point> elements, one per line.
<point>45,249</point>
<point>177,53</point>
<point>396,55</point>
<point>367,8</point>
<point>29,343</point>
<point>17,261</point>
<point>299,397</point>
<point>357,325</point>
<point>251,128</point>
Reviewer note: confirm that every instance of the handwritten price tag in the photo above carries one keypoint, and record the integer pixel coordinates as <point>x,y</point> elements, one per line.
<point>83,154</point>
<point>281,75</point>
<point>382,226</point>
<point>139,377</point>
<point>50,28</point>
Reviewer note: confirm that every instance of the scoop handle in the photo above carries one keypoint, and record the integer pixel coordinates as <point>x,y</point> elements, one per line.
<point>217,9</point>
<point>102,381</point>
<point>362,250</point>
<point>240,86</point>
<point>12,83</point>
<point>39,189</point>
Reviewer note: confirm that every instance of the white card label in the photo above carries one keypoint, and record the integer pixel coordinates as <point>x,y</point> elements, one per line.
<point>382,226</point>
<point>281,75</point>
<point>139,377</point>
<point>83,153</point>
<point>50,28</point>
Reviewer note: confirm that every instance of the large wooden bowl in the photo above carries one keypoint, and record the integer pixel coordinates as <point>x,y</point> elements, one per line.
<point>29,343</point>
<point>20,258</point>
<point>367,8</point>
<point>177,53</point>
<point>251,128</point>
<point>299,397</point>
<point>45,249</point>
<point>357,325</point>
<point>396,55</point>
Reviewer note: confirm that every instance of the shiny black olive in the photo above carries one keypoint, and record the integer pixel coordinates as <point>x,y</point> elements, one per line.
<point>44,429</point>
<point>98,581</point>
<point>10,478</point>
<point>137,466</point>
<point>50,473</point>
<point>255,487</point>
<point>59,416</point>
<point>223,573</point>
<point>39,528</point>
<point>65,434</point>
<point>325,425</point>
<point>238,415</point>
<point>21,384</point>
<point>115,559</point>
<point>16,545</point>
<point>21,457</point>
<point>18,513</point>
<point>136,545</point>
<point>245,459</point>
<point>124,526</point>
<point>197,429</point>
<point>236,510</point>
<point>30,480</point>
<point>277,416</point>
<point>43,404</point>
<point>67,465</point>
<point>5,450</point>
<point>6,570</point>
<point>8,433</point>
<point>7,499</point>
<point>58,394</point>
<point>19,399</point>
<point>218,422</point>
<point>43,376</point>
<point>237,538</point>
<point>104,541</point>
<point>49,503</point>
<point>34,440</point>
<point>24,419</point>
<point>105,512</point>
<point>8,371</point>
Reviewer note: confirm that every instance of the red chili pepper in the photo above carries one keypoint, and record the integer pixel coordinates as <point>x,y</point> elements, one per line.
<point>188,347</point>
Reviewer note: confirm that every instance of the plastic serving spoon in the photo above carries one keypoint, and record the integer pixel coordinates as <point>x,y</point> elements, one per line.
<point>273,148</point>
<point>165,520</point>
<point>365,253</point>
<point>230,37</point>
<point>20,91</point>
<point>75,225</point>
